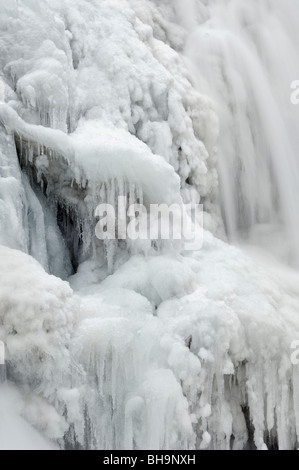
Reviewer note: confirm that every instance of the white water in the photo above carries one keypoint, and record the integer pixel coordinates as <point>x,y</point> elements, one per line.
<point>246,57</point>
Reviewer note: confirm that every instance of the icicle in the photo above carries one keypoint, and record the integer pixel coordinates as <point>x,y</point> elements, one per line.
<point>139,194</point>
<point>132,199</point>
<point>271,378</point>
<point>102,193</point>
<point>30,151</point>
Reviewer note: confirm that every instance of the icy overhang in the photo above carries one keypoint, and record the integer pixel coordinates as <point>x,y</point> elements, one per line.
<point>96,154</point>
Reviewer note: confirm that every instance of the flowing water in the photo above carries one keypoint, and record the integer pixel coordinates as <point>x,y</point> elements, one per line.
<point>245,57</point>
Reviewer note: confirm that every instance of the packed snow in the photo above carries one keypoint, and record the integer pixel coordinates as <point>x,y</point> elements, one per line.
<point>113,345</point>
<point>15,432</point>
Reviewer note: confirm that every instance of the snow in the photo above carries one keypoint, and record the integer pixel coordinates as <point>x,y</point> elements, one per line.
<point>109,153</point>
<point>15,433</point>
<point>116,345</point>
<point>124,344</point>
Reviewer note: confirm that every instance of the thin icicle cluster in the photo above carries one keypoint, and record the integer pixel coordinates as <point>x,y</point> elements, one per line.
<point>75,180</point>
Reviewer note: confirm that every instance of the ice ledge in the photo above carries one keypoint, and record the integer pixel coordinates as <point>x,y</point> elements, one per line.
<point>97,153</point>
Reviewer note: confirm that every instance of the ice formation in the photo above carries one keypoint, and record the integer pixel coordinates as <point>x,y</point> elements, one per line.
<point>116,345</point>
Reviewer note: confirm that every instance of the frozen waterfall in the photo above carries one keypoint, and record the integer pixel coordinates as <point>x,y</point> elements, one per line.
<point>120,345</point>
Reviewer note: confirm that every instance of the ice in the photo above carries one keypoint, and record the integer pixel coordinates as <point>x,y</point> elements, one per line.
<point>122,345</point>
<point>128,356</point>
<point>80,176</point>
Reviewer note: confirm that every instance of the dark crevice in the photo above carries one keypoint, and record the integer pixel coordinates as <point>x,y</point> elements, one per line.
<point>69,226</point>
<point>250,429</point>
<point>65,214</point>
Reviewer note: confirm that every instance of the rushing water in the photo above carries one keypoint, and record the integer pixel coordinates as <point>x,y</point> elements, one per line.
<point>245,57</point>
